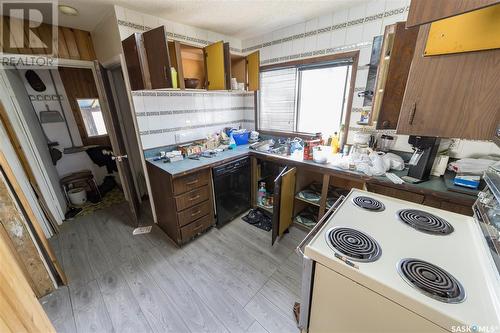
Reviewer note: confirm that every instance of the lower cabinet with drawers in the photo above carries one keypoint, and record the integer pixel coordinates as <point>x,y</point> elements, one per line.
<point>183,205</point>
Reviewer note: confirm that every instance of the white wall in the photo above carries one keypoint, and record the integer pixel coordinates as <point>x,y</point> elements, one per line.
<point>172,117</point>
<point>106,38</point>
<point>347,30</point>
<point>57,131</point>
<point>130,21</point>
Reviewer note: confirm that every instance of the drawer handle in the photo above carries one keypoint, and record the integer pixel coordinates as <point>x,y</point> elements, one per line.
<point>196,213</point>
<point>198,227</point>
<point>192,182</point>
<point>194,198</point>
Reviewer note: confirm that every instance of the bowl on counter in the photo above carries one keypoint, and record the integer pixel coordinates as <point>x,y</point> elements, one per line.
<point>321,153</point>
<point>191,83</point>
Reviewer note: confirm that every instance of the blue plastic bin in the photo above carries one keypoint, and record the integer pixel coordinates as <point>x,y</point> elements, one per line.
<point>241,138</point>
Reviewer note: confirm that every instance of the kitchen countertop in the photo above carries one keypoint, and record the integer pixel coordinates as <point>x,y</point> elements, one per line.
<point>435,185</point>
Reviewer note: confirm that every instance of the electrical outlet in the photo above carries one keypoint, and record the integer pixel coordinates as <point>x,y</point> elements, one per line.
<point>177,138</point>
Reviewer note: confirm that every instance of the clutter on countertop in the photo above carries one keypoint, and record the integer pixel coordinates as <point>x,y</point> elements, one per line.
<point>476,166</point>
<point>467,180</point>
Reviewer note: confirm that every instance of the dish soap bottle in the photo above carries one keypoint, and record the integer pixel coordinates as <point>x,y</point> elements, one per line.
<point>232,143</point>
<point>335,143</point>
<point>261,194</point>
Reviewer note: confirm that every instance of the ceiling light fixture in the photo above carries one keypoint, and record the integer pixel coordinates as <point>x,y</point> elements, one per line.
<point>68,10</point>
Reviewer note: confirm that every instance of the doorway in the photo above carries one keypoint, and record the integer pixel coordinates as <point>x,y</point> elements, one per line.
<point>72,116</point>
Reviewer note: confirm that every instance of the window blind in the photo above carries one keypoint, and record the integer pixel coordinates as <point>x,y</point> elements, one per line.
<point>277,99</point>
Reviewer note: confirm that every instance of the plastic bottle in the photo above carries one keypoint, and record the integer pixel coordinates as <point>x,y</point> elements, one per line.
<point>232,143</point>
<point>335,143</point>
<point>261,194</point>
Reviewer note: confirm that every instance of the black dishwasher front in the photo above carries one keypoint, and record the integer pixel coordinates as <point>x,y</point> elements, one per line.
<point>232,190</point>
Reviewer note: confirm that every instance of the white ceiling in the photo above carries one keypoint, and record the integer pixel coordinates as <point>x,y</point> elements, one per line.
<point>238,18</point>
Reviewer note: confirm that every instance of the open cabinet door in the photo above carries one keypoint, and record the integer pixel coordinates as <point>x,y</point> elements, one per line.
<point>284,193</point>
<point>253,63</point>
<point>117,141</point>
<point>214,64</point>
<point>155,44</point>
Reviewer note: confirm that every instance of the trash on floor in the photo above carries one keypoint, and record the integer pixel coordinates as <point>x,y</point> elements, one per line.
<point>258,219</point>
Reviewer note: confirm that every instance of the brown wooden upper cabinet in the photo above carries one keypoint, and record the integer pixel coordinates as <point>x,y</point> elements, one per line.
<point>426,11</point>
<point>395,60</point>
<point>452,95</point>
<point>135,62</point>
<point>157,55</point>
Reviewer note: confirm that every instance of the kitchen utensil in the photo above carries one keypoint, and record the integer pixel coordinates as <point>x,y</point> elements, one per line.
<point>386,142</point>
<point>320,154</point>
<point>50,116</point>
<point>191,83</point>
<point>77,196</point>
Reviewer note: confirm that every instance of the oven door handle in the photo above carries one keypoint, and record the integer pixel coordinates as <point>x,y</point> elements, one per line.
<point>318,226</point>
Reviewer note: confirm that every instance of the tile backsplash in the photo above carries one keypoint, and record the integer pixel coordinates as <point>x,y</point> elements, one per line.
<point>171,117</point>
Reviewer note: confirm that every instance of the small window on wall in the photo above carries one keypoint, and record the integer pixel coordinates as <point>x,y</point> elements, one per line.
<point>91,113</point>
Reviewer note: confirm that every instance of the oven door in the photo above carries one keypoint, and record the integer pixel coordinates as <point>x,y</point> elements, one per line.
<point>308,267</point>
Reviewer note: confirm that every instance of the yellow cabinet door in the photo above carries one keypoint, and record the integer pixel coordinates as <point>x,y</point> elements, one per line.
<point>286,200</point>
<point>214,64</point>
<point>253,63</point>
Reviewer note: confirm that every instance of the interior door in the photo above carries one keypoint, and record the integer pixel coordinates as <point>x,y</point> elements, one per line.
<point>214,64</point>
<point>253,63</point>
<point>117,141</point>
<point>284,193</point>
<point>157,55</point>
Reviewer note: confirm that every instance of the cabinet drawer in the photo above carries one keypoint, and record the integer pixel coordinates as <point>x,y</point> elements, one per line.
<point>192,198</point>
<point>196,227</point>
<point>189,182</point>
<point>193,213</point>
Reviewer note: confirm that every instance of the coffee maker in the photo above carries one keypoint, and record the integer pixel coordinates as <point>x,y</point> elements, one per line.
<point>425,150</point>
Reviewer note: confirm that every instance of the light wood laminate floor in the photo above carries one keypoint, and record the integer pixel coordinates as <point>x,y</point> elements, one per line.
<point>228,280</point>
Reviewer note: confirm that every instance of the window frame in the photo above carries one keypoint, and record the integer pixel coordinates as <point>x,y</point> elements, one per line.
<point>314,62</point>
<point>83,121</point>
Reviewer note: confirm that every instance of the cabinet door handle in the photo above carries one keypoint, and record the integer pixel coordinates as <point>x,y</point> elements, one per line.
<point>412,114</point>
<point>194,198</point>
<point>196,213</point>
<point>192,182</point>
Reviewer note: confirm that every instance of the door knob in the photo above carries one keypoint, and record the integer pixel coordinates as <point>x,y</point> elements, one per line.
<point>119,158</point>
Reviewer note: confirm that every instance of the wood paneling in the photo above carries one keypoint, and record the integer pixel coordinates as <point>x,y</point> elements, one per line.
<point>14,221</point>
<point>71,43</point>
<point>286,200</point>
<point>191,198</point>
<point>454,96</point>
<point>174,50</point>
<point>192,181</point>
<point>80,83</point>
<point>389,99</point>
<point>155,44</point>
<point>190,214</point>
<point>425,11</point>
<point>131,51</point>
<point>20,311</point>
<point>177,214</point>
<point>29,211</point>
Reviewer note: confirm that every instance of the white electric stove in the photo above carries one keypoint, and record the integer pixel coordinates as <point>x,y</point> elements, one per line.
<point>379,264</point>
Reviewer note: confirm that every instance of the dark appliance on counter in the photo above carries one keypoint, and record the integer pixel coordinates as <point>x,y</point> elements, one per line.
<point>232,190</point>
<point>425,150</point>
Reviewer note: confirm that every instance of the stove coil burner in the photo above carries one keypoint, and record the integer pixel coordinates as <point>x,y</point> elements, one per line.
<point>425,222</point>
<point>353,244</point>
<point>368,203</point>
<point>431,280</point>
